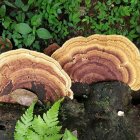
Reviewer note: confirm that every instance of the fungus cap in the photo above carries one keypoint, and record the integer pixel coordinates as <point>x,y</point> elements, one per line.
<point>100,58</point>
<point>34,71</point>
<point>51,48</point>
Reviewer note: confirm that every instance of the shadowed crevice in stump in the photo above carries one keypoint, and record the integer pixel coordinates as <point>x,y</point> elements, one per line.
<point>136,97</point>
<point>39,90</point>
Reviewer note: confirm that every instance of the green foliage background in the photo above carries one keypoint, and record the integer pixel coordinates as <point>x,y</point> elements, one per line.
<point>34,24</point>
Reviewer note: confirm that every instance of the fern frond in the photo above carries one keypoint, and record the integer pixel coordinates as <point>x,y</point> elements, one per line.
<point>28,116</point>
<point>51,117</point>
<point>39,126</point>
<point>68,136</point>
<point>22,126</point>
<point>53,130</point>
<point>31,135</point>
<point>53,137</point>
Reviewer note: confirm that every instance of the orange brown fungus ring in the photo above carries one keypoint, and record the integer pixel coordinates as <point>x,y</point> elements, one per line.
<point>100,58</point>
<point>34,71</point>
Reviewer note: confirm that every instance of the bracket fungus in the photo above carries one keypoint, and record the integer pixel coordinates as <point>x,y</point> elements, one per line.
<point>51,48</point>
<point>100,58</point>
<point>34,71</point>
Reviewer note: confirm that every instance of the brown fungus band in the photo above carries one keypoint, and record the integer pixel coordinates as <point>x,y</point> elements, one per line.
<point>41,74</point>
<point>100,58</point>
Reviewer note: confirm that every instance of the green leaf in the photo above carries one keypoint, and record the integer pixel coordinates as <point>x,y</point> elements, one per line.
<point>33,136</point>
<point>38,122</point>
<point>126,10</point>
<point>16,35</point>
<point>36,128</point>
<point>117,1</point>
<point>25,8</point>
<point>59,11</point>
<point>19,3</point>
<point>138,29</point>
<point>29,14</point>
<point>51,117</point>
<point>30,2</point>
<point>9,36</point>
<point>9,4</point>
<point>19,46</point>
<point>53,137</point>
<point>36,20</point>
<point>13,13</point>
<point>23,28</point>
<point>13,24</point>
<point>109,2</point>
<point>43,33</point>
<point>68,136</point>
<point>36,45</point>
<point>132,34</point>
<point>22,126</point>
<point>134,2</point>
<point>88,3</point>
<point>20,17</point>
<point>29,40</point>
<point>2,10</point>
<point>6,22</point>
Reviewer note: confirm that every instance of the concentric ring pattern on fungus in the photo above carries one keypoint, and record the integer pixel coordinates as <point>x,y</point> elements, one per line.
<point>100,58</point>
<point>34,71</point>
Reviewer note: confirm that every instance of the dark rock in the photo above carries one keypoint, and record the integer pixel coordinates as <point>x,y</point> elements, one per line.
<point>106,97</point>
<point>102,106</point>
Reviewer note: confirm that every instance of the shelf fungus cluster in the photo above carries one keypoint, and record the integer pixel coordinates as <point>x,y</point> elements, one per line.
<point>33,71</point>
<point>100,58</point>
